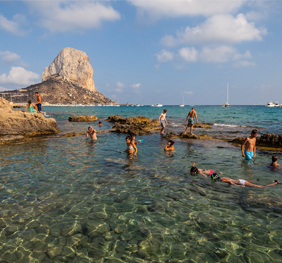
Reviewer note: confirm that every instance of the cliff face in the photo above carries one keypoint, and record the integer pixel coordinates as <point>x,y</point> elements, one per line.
<point>68,80</point>
<point>58,90</point>
<point>73,65</point>
<point>16,122</point>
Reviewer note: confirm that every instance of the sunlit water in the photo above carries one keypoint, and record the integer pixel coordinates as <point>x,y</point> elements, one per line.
<point>69,199</point>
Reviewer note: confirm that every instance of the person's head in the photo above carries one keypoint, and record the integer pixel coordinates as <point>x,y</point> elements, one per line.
<point>215,177</point>
<point>254,132</point>
<point>193,108</point>
<point>90,128</point>
<point>194,170</point>
<point>29,101</point>
<point>128,138</point>
<point>36,93</point>
<point>165,111</point>
<point>100,123</point>
<point>274,158</point>
<point>170,142</point>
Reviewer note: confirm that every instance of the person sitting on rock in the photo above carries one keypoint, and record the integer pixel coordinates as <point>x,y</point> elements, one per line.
<point>239,182</point>
<point>92,133</point>
<point>30,107</point>
<point>274,165</point>
<point>169,146</point>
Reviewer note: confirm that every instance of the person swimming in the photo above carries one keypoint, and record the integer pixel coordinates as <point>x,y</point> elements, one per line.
<point>131,147</point>
<point>274,165</point>
<point>194,171</point>
<point>239,182</point>
<point>169,146</point>
<point>92,133</point>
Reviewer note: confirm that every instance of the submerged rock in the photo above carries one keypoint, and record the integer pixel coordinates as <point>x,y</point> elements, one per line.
<point>138,125</point>
<point>83,118</point>
<point>16,122</point>
<point>171,135</point>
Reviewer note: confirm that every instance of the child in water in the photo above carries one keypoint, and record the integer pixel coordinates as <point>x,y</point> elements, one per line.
<point>170,146</point>
<point>274,165</point>
<point>131,147</point>
<point>239,182</point>
<point>194,171</point>
<point>92,133</point>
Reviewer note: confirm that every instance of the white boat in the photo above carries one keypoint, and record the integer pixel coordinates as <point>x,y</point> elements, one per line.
<point>227,103</point>
<point>276,104</point>
<point>152,105</point>
<point>137,105</point>
<point>158,105</point>
<point>182,105</point>
<point>270,104</point>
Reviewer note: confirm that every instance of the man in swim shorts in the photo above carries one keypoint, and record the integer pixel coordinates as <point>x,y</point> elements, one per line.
<point>38,102</point>
<point>162,120</point>
<point>92,133</point>
<point>191,121</point>
<point>239,182</point>
<point>250,146</point>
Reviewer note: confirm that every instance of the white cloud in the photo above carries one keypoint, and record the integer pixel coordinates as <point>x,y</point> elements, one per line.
<point>169,8</point>
<point>13,26</point>
<point>135,86</point>
<point>164,56</point>
<point>64,15</point>
<point>120,87</point>
<point>222,28</point>
<point>19,76</point>
<point>188,54</point>
<point>9,57</point>
<point>244,63</point>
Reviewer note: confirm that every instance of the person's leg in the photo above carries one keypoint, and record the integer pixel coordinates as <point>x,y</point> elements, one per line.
<point>186,128</point>
<point>191,128</point>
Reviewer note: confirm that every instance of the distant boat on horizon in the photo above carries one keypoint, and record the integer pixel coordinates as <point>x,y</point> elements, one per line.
<point>158,105</point>
<point>227,103</point>
<point>182,105</point>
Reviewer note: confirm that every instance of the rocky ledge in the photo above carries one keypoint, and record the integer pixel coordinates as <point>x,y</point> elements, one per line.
<point>182,135</point>
<point>16,124</point>
<point>83,118</point>
<point>138,125</point>
<point>265,140</point>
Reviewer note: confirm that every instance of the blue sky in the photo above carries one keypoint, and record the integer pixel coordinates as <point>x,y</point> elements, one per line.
<point>151,52</point>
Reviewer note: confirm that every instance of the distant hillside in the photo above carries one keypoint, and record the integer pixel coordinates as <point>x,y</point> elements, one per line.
<point>57,90</point>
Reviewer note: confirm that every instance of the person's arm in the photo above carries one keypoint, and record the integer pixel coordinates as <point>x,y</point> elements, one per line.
<point>196,117</point>
<point>254,151</point>
<point>87,133</point>
<point>135,148</point>
<point>166,121</point>
<point>242,147</point>
<point>160,118</point>
<point>187,117</point>
<point>25,108</point>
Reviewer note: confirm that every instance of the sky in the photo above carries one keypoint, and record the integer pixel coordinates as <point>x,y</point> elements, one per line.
<point>151,51</point>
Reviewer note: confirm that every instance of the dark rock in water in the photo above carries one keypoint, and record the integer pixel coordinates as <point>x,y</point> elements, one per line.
<point>202,125</point>
<point>267,140</point>
<point>83,118</point>
<point>171,135</point>
<point>138,125</point>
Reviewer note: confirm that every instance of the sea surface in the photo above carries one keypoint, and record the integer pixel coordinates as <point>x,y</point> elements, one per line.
<point>71,199</point>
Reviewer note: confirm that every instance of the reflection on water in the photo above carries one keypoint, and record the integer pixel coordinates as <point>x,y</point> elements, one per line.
<point>72,199</point>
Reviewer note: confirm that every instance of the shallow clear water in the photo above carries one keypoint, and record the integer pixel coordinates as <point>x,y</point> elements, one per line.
<point>69,199</point>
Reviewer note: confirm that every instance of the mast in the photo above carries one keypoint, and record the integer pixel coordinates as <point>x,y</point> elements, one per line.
<point>227,95</point>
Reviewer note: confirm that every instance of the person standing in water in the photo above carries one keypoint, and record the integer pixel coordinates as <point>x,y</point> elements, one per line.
<point>248,147</point>
<point>191,120</point>
<point>92,133</point>
<point>38,102</point>
<point>162,120</point>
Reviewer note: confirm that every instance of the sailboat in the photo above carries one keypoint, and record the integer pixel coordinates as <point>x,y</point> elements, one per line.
<point>227,104</point>
<point>182,105</point>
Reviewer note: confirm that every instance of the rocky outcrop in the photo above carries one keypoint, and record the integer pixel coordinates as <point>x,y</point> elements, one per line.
<point>138,125</point>
<point>267,140</point>
<point>73,65</point>
<point>171,135</point>
<point>83,118</point>
<point>17,122</point>
<point>202,125</point>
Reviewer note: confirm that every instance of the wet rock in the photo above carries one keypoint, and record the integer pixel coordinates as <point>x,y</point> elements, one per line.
<point>120,229</point>
<point>33,224</point>
<point>76,240</point>
<point>9,256</point>
<point>53,250</point>
<point>68,252</point>
<point>202,125</point>
<point>96,253</point>
<point>138,125</point>
<point>90,118</point>
<point>98,215</point>
<point>100,230</point>
<point>122,197</point>
<point>70,228</point>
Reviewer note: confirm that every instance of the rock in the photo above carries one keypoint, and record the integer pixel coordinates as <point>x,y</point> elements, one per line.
<point>265,140</point>
<point>138,125</point>
<point>171,135</point>
<point>74,66</point>
<point>16,122</point>
<point>202,125</point>
<point>83,118</point>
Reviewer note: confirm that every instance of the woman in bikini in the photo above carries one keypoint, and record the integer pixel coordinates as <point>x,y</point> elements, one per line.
<point>194,171</point>
<point>30,107</point>
<point>239,182</point>
<point>131,147</point>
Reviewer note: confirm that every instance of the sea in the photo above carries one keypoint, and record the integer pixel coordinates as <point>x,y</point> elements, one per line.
<point>71,199</point>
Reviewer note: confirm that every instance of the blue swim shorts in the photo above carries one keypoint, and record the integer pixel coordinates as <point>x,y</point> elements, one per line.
<point>191,121</point>
<point>163,123</point>
<point>249,155</point>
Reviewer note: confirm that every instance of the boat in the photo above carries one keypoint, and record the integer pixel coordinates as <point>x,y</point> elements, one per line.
<point>137,105</point>
<point>227,103</point>
<point>276,104</point>
<point>158,105</point>
<point>270,104</point>
<point>182,105</point>
<point>152,105</point>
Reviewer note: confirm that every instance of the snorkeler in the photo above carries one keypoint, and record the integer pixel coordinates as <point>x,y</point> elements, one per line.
<point>194,170</point>
<point>169,146</point>
<point>239,182</point>
<point>274,165</point>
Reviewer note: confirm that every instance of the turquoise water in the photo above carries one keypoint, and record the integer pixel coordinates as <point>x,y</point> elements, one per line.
<point>69,199</point>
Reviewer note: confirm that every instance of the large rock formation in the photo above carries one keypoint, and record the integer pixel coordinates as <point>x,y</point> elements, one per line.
<point>17,122</point>
<point>73,65</point>
<point>266,140</point>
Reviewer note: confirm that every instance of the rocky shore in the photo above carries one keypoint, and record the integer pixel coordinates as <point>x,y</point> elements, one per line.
<point>17,125</point>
